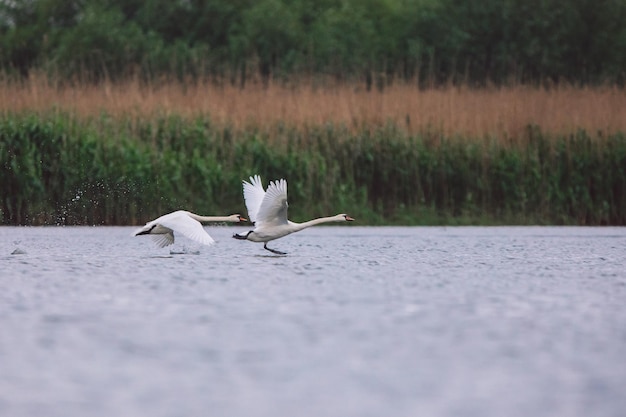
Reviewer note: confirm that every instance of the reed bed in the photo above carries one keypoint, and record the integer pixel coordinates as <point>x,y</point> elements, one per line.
<point>122,153</point>
<point>504,112</point>
<point>59,168</point>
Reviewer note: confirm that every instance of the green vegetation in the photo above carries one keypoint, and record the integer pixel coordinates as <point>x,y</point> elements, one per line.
<point>372,41</point>
<point>135,63</point>
<point>57,169</point>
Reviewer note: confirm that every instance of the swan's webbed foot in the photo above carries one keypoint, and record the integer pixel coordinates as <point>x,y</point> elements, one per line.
<point>241,237</point>
<point>277,252</point>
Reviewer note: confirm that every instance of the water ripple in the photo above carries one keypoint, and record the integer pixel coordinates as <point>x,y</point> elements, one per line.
<point>354,321</point>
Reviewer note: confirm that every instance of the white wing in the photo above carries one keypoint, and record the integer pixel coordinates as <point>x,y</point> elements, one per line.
<point>253,195</point>
<point>273,210</point>
<point>163,240</point>
<point>186,226</point>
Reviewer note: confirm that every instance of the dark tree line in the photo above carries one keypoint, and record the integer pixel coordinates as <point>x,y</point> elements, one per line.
<point>376,41</point>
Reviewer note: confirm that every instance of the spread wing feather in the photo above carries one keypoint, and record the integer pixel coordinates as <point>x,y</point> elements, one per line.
<point>163,240</point>
<point>273,209</point>
<point>187,227</point>
<point>253,195</point>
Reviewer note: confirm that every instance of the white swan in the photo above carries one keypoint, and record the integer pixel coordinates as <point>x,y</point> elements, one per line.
<point>268,211</point>
<point>183,222</point>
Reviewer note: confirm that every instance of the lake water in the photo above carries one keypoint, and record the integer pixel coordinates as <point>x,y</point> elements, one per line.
<point>354,321</point>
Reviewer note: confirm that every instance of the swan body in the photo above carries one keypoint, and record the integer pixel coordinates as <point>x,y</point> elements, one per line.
<point>183,222</point>
<point>268,210</point>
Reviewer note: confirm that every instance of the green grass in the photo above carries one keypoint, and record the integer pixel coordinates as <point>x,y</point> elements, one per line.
<point>58,169</point>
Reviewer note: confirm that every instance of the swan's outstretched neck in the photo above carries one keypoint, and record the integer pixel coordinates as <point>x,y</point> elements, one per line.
<point>321,220</point>
<point>233,218</point>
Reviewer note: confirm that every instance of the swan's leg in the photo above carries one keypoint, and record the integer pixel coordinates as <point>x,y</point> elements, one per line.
<point>277,252</point>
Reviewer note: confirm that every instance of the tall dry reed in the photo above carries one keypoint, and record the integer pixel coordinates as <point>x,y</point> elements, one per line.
<point>401,155</point>
<point>496,112</point>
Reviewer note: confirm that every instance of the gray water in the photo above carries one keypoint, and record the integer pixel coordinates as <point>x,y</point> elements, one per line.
<point>354,321</point>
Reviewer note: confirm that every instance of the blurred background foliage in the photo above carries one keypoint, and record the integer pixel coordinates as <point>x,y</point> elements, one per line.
<point>371,41</point>
<point>59,168</point>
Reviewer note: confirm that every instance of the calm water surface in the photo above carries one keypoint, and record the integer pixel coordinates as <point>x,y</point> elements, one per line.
<point>355,321</point>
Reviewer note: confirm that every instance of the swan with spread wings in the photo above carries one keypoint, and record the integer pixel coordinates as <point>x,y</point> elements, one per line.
<point>268,210</point>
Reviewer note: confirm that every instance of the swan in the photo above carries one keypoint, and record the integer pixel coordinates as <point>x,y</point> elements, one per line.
<point>268,211</point>
<point>183,222</point>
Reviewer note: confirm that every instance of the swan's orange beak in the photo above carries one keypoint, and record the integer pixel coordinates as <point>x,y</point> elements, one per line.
<point>242,219</point>
<point>349,219</point>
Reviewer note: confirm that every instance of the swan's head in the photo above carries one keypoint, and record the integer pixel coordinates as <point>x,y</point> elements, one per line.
<point>346,218</point>
<point>237,218</point>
